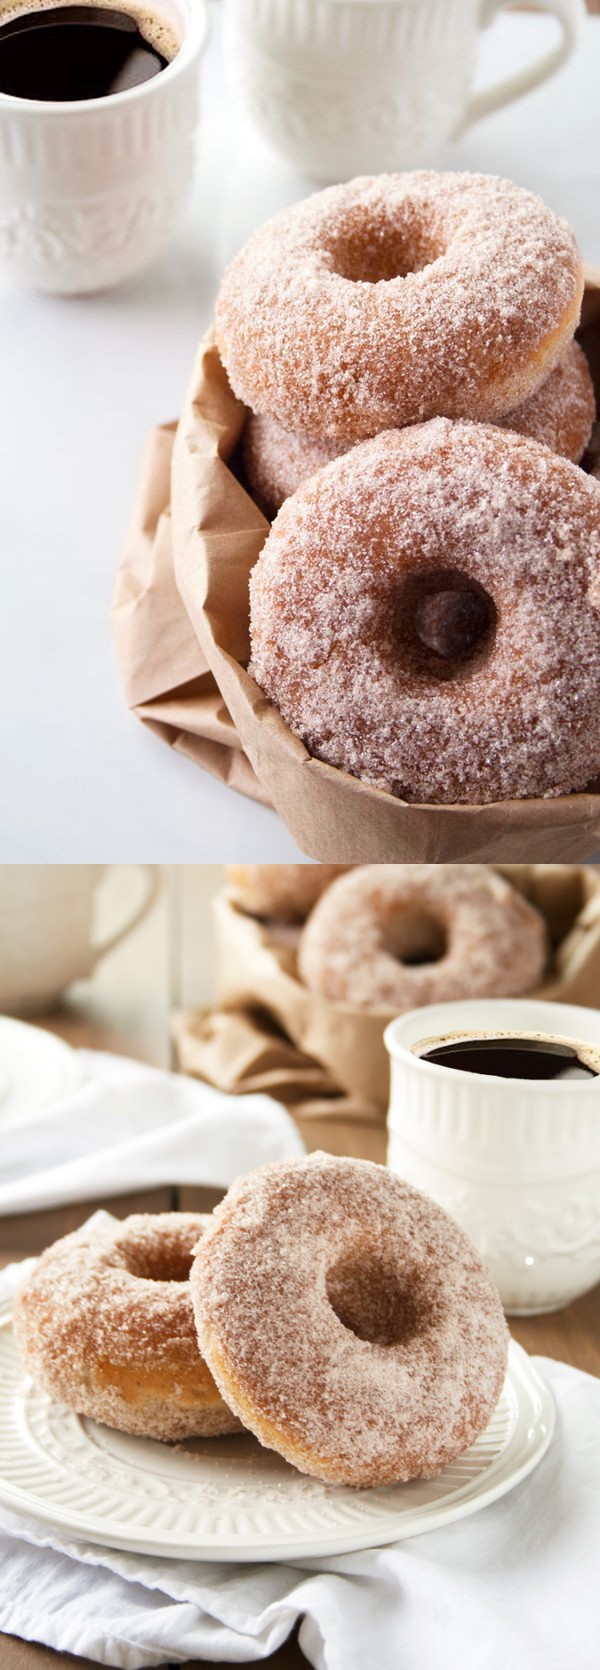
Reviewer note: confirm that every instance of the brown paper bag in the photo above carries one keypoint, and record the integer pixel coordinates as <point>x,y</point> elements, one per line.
<point>218,533</point>
<point>258,986</point>
<point>244,1050</point>
<point>165,675</point>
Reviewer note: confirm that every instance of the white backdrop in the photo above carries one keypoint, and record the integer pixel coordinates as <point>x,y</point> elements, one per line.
<point>82,381</point>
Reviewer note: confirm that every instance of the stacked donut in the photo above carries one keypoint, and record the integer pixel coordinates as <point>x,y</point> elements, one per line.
<point>425,611</point>
<point>280,892</point>
<point>397,936</point>
<point>334,1311</point>
<point>560,414</point>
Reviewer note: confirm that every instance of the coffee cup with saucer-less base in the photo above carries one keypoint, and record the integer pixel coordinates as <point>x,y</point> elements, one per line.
<point>495,1112</point>
<point>96,138</point>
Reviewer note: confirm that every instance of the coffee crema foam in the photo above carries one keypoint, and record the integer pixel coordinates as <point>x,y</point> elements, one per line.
<point>587,1054</point>
<point>160,32</point>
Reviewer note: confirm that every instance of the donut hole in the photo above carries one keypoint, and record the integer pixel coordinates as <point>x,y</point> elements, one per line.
<point>167,1260</point>
<point>414,938</point>
<point>445,622</point>
<point>369,1300</point>
<point>370,250</point>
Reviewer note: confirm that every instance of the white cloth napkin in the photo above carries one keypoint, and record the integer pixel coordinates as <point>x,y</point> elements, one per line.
<point>128,1126</point>
<point>514,1585</point>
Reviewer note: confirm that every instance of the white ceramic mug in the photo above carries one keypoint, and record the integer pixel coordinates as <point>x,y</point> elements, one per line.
<point>515,1161</point>
<point>91,189</point>
<point>48,928</point>
<point>346,87</point>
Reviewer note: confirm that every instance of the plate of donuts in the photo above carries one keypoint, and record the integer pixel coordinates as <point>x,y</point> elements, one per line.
<point>35,1069</point>
<point>229,1498</point>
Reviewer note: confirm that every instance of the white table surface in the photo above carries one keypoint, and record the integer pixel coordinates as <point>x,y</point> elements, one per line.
<point>82,382</point>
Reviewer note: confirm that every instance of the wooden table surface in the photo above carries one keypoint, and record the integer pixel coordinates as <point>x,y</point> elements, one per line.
<point>125,1009</point>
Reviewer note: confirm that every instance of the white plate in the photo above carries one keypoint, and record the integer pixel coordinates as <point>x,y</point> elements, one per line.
<point>229,1499</point>
<point>35,1069</point>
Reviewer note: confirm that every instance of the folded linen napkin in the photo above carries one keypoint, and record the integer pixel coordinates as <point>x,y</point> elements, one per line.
<point>514,1584</point>
<point>127,1126</point>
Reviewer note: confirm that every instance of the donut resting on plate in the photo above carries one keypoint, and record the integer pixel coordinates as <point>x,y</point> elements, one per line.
<point>348,1321</point>
<point>105,1324</point>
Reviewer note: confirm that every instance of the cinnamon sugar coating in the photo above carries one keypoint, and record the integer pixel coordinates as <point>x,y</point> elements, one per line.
<point>559,414</point>
<point>354,616</point>
<point>396,298</point>
<point>280,892</point>
<point>395,936</point>
<point>105,1324</point>
<point>277,462</point>
<point>348,1321</point>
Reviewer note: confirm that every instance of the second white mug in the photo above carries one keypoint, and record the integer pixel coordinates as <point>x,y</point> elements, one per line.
<point>345,87</point>
<point>48,929</point>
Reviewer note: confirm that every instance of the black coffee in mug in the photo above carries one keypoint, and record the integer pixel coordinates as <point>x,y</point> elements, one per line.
<point>60,53</point>
<point>514,1056</point>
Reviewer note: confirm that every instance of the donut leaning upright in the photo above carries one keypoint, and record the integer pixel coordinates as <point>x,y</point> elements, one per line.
<point>395,936</point>
<point>348,1321</point>
<point>425,615</point>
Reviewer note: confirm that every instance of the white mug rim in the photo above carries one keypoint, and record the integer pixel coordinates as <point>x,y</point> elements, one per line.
<point>538,1087</point>
<point>192,44</point>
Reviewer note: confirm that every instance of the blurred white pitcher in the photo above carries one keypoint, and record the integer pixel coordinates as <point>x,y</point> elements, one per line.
<point>345,87</point>
<point>48,932</point>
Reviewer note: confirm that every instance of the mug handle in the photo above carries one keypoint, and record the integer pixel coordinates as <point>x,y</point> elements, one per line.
<point>571,15</point>
<point>152,875</point>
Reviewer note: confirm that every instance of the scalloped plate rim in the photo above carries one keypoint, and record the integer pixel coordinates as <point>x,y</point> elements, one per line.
<point>525,1382</point>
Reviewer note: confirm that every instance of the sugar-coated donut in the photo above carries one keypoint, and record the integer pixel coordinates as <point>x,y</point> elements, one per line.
<point>394,936</point>
<point>560,415</point>
<point>348,1321</point>
<point>277,462</point>
<point>281,892</point>
<point>396,298</point>
<point>105,1324</point>
<point>425,614</point>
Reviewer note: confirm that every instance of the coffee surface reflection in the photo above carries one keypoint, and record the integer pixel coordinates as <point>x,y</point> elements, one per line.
<point>512,1057</point>
<point>63,53</point>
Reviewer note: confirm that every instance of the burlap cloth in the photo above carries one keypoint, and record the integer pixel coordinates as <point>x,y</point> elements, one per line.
<point>180,618</point>
<point>326,1061</point>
